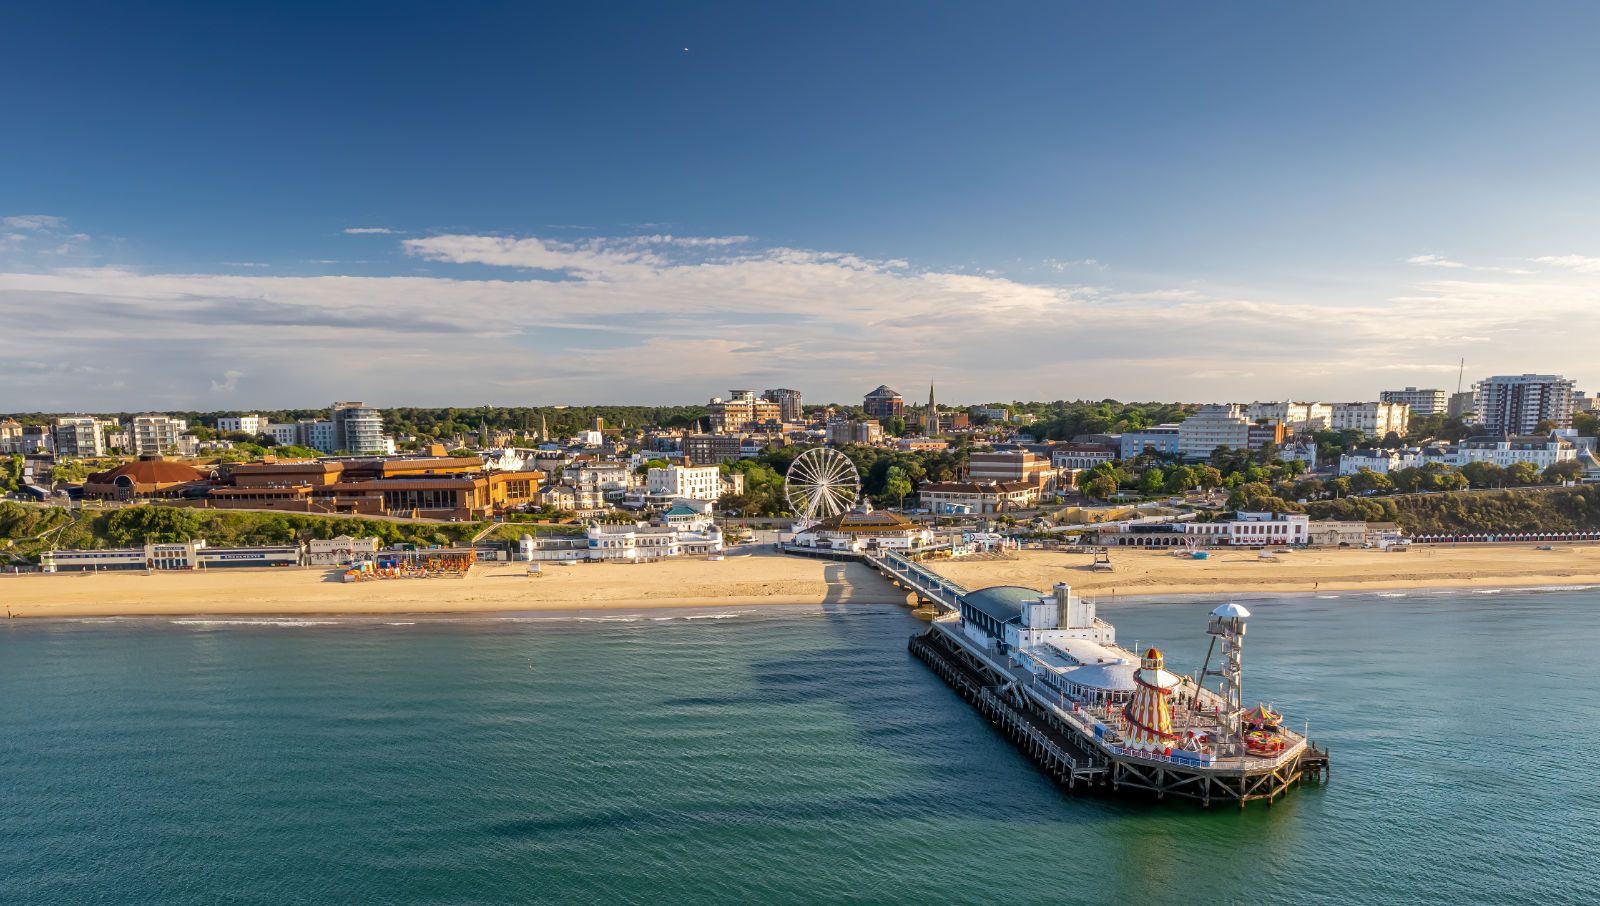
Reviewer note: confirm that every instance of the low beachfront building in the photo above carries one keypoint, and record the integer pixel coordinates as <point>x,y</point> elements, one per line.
<point>864,529</point>
<point>341,550</point>
<point>1246,529</point>
<point>637,541</point>
<point>194,554</point>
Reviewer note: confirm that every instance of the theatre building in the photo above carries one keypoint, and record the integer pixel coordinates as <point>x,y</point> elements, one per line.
<point>430,487</point>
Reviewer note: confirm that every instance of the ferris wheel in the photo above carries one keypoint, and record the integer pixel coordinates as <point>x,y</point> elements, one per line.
<point>821,482</point>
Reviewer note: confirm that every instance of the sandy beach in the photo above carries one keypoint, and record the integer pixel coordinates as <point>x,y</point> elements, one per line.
<point>1146,572</point>
<point>766,578</point>
<point>738,580</point>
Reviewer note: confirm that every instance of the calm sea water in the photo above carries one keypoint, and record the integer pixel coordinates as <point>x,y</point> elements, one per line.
<point>778,756</point>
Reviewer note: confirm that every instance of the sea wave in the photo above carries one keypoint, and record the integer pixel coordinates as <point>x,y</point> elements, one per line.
<point>296,624</point>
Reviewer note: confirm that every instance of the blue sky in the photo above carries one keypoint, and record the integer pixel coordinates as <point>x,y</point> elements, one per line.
<point>655,202</point>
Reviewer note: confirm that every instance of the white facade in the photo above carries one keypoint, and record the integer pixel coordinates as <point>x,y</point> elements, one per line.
<point>319,435</point>
<point>1375,420</point>
<point>287,434</point>
<point>340,551</point>
<point>1301,417</point>
<point>1212,427</point>
<point>1077,457</point>
<point>243,424</point>
<point>639,541</point>
<point>692,482</point>
<point>1505,451</point>
<point>155,433</point>
<point>1381,461</point>
<point>1422,402</point>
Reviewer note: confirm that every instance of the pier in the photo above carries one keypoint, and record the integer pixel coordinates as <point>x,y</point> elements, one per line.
<point>1016,671</point>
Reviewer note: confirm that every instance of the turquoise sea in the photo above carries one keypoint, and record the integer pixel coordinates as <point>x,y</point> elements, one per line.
<point>771,756</point>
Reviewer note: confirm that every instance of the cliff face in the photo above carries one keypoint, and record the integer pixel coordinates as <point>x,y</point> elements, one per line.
<point>1518,510</point>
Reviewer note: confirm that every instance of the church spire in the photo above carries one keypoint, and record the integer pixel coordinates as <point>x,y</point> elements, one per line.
<point>930,419</point>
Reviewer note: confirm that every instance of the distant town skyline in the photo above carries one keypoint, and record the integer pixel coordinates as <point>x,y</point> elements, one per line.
<point>654,205</point>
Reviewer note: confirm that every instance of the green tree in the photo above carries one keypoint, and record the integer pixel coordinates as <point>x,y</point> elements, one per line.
<point>1521,474</point>
<point>69,470</point>
<point>1308,489</point>
<point>1366,481</point>
<point>1100,487</point>
<point>1153,481</point>
<point>1559,472</point>
<point>897,484</point>
<point>1484,474</point>
<point>1181,479</point>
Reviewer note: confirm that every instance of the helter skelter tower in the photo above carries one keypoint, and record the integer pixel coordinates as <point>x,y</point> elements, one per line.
<point>1150,713</point>
<point>1227,626</point>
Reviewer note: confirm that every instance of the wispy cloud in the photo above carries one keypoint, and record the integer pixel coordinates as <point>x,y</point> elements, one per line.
<point>33,222</point>
<point>1583,264</point>
<point>229,382</point>
<point>1442,261</point>
<point>369,231</point>
<point>1433,261</point>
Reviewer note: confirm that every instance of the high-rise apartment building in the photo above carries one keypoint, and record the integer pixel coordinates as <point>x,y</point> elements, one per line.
<point>1517,403</point>
<point>357,428</point>
<point>789,408</point>
<point>1423,403</point>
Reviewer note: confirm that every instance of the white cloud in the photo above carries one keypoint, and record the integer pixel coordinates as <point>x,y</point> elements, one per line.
<point>631,320</point>
<point>1433,261</point>
<point>33,222</point>
<point>1583,264</point>
<point>368,231</point>
<point>1441,261</point>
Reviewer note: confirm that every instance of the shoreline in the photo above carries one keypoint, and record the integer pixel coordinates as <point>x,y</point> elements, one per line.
<point>762,579</point>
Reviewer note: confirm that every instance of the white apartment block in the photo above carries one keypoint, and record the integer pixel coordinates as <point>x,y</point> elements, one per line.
<point>1372,419</point>
<point>155,433</point>
<point>1381,461</point>
<point>1503,451</point>
<point>242,424</point>
<point>689,482</point>
<point>318,434</point>
<point>1212,427</point>
<point>1299,417</point>
<point>1517,403</point>
<point>1422,402</point>
<point>78,436</point>
<point>285,434</point>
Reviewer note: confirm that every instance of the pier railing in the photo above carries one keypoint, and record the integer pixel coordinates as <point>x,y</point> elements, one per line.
<point>925,581</point>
